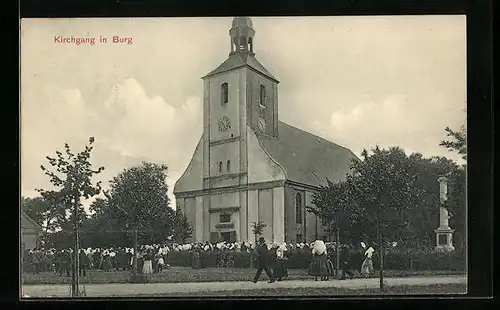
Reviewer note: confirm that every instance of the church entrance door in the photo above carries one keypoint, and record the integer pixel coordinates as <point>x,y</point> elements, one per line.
<point>229,236</point>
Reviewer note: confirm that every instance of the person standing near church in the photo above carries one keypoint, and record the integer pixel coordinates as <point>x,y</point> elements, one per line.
<point>263,261</point>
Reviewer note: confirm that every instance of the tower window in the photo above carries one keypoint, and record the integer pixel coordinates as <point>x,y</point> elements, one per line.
<point>242,43</point>
<point>220,167</point>
<point>298,208</point>
<point>228,166</point>
<point>250,44</point>
<point>262,97</point>
<point>224,93</point>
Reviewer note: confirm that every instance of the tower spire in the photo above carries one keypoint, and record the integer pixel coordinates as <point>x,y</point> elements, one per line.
<point>242,34</point>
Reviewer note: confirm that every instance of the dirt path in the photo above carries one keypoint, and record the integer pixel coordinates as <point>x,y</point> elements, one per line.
<point>109,290</point>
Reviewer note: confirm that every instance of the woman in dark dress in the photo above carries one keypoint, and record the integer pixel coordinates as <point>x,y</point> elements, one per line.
<point>279,269</point>
<point>318,267</point>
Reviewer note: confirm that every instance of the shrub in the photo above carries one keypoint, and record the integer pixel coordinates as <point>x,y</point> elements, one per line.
<point>300,259</point>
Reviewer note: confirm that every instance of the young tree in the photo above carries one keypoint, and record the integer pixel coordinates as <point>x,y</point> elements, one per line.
<point>383,184</point>
<point>71,175</point>
<point>258,229</point>
<point>182,229</point>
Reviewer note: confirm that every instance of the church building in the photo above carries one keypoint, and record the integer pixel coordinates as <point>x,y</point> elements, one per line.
<point>249,166</point>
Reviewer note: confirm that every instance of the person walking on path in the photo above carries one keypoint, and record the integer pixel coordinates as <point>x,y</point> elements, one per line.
<point>318,266</point>
<point>367,266</point>
<point>263,261</point>
<point>345,263</point>
<point>279,269</point>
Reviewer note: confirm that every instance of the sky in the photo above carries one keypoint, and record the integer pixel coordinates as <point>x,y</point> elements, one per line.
<point>356,81</point>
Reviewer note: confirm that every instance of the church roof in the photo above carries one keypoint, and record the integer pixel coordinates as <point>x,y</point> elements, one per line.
<point>307,158</point>
<point>237,60</point>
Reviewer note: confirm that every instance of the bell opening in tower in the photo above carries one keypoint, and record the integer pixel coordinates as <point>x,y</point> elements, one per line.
<point>242,46</point>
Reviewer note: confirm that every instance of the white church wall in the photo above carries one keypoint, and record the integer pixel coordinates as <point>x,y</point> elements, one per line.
<point>190,212</point>
<point>198,231</point>
<point>253,211</point>
<point>243,229</point>
<point>230,109</point>
<point>278,215</point>
<point>224,200</point>
<point>266,212</point>
<point>261,168</point>
<point>223,153</point>
<point>192,178</point>
<point>311,219</point>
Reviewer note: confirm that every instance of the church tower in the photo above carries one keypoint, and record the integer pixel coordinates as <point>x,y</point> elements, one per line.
<point>248,166</point>
<point>238,95</point>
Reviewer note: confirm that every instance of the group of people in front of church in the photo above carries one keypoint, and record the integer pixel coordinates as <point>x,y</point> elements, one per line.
<point>320,266</point>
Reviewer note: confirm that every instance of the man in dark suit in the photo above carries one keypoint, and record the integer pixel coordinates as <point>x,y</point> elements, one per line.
<point>263,261</point>
<point>83,263</point>
<point>345,257</point>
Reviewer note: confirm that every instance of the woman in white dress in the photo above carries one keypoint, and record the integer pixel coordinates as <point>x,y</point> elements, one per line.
<point>367,266</point>
<point>147,268</point>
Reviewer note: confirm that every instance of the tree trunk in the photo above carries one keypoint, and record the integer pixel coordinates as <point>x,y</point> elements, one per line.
<point>337,242</point>
<point>134,263</point>
<point>381,248</point>
<point>74,276</point>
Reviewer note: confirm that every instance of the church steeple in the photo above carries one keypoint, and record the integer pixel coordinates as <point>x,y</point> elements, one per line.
<point>242,34</point>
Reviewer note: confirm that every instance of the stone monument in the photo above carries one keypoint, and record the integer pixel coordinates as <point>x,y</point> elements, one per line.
<point>444,234</point>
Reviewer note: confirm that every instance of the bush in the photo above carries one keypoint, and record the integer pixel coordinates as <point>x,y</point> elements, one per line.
<point>300,259</point>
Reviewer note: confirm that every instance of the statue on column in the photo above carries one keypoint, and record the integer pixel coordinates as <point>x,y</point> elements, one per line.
<point>444,234</point>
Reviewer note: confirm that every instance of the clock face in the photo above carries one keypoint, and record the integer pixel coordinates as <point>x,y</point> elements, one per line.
<point>262,124</point>
<point>224,124</point>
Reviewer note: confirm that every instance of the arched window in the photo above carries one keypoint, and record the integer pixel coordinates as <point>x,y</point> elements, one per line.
<point>228,166</point>
<point>220,167</point>
<point>224,88</point>
<point>250,44</point>
<point>262,97</point>
<point>298,208</point>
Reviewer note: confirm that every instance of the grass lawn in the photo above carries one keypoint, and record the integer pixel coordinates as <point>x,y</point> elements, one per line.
<point>326,292</point>
<point>185,274</point>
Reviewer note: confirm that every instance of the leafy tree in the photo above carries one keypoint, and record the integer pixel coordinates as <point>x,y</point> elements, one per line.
<point>458,142</point>
<point>71,176</point>
<point>182,229</point>
<point>138,199</point>
<point>258,229</point>
<point>384,184</point>
<point>335,205</point>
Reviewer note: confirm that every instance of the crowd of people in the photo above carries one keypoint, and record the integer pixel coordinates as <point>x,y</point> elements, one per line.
<point>271,258</point>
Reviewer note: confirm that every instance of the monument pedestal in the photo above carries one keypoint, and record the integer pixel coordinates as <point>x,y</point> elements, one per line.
<point>444,239</point>
<point>444,234</point>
